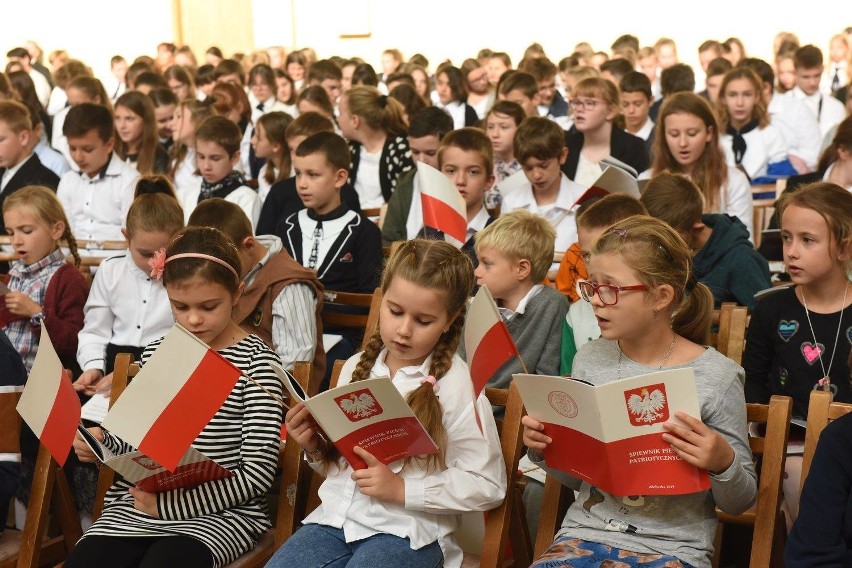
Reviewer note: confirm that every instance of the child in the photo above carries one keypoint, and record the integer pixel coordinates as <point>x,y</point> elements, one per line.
<point>180,82</point>
<point>97,197</point>
<point>126,308</point>
<point>285,92</point>
<point>326,74</point>
<point>515,253</point>
<point>598,134</point>
<point>636,100</point>
<point>374,127</point>
<point>136,126</point>
<point>809,67</point>
<point>83,89</point>
<point>551,104</point>
<point>165,104</point>
<point>716,70</point>
<point>270,143</point>
<point>725,261</point>
<point>404,216</point>
<point>689,144</point>
<point>217,145</point>
<point>13,375</point>
<point>214,523</point>
<point>281,301</point>
<point>793,330</point>
<point>407,511</point>
<point>580,325</point>
<point>653,316</point>
<point>837,75</point>
<point>19,166</point>
<point>342,246</point>
<point>751,143</point>
<point>452,97</point>
<point>465,158</point>
<point>501,123</point>
<point>283,198</point>
<point>521,88</point>
<point>540,148</point>
<point>262,97</point>
<point>315,99</point>
<point>189,115</point>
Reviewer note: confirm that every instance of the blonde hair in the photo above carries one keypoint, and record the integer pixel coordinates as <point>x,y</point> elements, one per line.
<point>43,202</point>
<point>600,88</point>
<point>439,266</point>
<point>659,256</point>
<point>378,111</point>
<point>519,235</point>
<point>154,213</point>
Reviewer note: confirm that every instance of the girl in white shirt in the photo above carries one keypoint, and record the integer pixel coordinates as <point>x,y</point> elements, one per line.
<point>451,86</point>
<point>270,143</point>
<point>404,513</point>
<point>687,143</point>
<point>189,114</point>
<point>751,143</point>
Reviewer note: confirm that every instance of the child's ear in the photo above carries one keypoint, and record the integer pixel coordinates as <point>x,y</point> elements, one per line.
<point>110,144</point>
<point>238,294</point>
<point>340,177</point>
<point>124,234</point>
<point>235,158</point>
<point>563,155</point>
<point>664,297</point>
<point>523,269</point>
<point>57,231</point>
<point>536,99</point>
<point>24,137</point>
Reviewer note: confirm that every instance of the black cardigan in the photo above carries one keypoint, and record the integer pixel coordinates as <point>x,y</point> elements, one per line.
<point>622,146</point>
<point>395,161</point>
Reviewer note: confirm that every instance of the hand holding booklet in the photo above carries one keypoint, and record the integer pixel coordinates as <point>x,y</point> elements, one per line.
<point>610,435</point>
<point>371,414</point>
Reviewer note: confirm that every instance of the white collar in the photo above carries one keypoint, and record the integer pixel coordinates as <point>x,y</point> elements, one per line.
<point>10,172</point>
<point>569,192</point>
<point>522,305</point>
<point>478,222</point>
<point>380,368</point>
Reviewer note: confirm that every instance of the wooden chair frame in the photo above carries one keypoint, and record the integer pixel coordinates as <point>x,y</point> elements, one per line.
<point>733,322</point>
<point>368,322</point>
<point>820,412</point>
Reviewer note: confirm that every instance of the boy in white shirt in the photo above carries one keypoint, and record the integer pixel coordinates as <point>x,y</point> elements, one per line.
<point>96,197</point>
<point>809,68</point>
<point>636,101</point>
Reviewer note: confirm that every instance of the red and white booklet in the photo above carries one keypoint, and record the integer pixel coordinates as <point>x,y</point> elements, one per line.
<point>611,435</point>
<point>371,414</point>
<point>193,469</point>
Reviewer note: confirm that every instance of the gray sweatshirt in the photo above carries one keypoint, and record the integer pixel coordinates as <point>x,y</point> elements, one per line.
<point>682,526</point>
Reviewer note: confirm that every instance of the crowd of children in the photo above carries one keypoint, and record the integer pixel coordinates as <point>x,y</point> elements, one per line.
<point>248,189</point>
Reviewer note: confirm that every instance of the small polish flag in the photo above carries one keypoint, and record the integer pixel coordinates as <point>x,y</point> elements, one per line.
<point>443,206</point>
<point>173,397</point>
<point>487,340</point>
<point>49,404</point>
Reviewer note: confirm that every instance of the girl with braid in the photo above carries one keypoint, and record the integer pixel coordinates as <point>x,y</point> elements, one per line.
<point>404,514</point>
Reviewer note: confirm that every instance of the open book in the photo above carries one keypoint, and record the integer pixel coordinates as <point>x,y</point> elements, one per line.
<point>371,414</point>
<point>193,469</point>
<point>611,435</point>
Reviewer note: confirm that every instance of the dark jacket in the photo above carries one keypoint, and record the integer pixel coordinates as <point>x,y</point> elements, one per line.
<point>622,146</point>
<point>31,173</point>
<point>395,160</point>
<point>283,200</point>
<point>728,263</point>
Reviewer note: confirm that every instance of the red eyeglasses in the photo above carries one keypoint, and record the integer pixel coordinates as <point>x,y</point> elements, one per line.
<point>608,294</point>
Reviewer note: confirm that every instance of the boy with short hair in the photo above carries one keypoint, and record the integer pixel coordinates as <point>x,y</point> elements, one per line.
<point>520,87</point>
<point>540,148</point>
<point>809,67</point>
<point>326,74</point>
<point>282,300</point>
<point>716,70</point>
<point>404,216</point>
<point>467,159</point>
<point>647,60</point>
<point>580,325</point>
<point>283,199</point>
<point>97,197</point>
<point>19,166</point>
<point>217,151</point>
<point>725,259</point>
<point>551,104</point>
<point>636,101</point>
<point>675,79</point>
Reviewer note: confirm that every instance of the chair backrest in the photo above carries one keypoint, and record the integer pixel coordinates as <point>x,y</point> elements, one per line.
<point>772,449</point>
<point>554,505</point>
<point>10,421</point>
<point>123,371</point>
<point>345,309</point>
<point>733,321</point>
<point>820,412</point>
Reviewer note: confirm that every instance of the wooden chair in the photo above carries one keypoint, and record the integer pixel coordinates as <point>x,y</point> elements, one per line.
<point>820,412</point>
<point>763,204</point>
<point>767,548</point>
<point>733,320</point>
<point>49,494</point>
<point>365,319</point>
<point>554,504</point>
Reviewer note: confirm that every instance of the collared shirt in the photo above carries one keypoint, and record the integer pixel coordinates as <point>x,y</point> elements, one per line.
<point>477,223</point>
<point>764,146</point>
<point>51,159</point>
<point>97,206</point>
<point>10,172</point>
<point>294,326</point>
<point>474,479</point>
<point>244,196</point>
<point>32,280</point>
<point>331,229</point>
<point>456,111</point>
<point>522,305</point>
<point>646,129</point>
<point>125,307</point>
<point>828,110</point>
<point>798,126</point>
<point>503,169</point>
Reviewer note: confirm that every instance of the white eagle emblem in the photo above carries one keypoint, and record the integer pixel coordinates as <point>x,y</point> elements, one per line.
<point>647,407</point>
<point>359,406</point>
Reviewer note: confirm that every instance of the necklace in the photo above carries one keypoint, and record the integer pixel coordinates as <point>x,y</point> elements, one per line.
<point>662,363</point>
<point>825,381</point>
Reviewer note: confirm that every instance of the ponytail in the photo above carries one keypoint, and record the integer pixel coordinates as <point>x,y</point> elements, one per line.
<point>378,111</point>
<point>694,315</point>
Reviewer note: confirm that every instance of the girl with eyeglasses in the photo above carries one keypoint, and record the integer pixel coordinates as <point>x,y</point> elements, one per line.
<point>598,133</point>
<point>653,316</point>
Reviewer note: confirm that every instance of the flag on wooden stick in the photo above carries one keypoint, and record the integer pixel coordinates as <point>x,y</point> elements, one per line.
<point>443,206</point>
<point>487,341</point>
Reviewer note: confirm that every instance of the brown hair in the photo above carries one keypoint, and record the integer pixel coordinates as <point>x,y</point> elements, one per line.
<point>807,57</point>
<point>607,91</point>
<point>609,210</point>
<point>759,110</point>
<point>317,96</point>
<point>658,256</point>
<point>832,202</point>
<point>331,145</point>
<point>183,75</point>
<point>521,81</point>
<point>435,265</point>
<point>378,111</point>
<point>16,116</point>
<point>199,112</point>
<point>842,139</point>
<point>203,240</point>
<point>222,131</point>
<point>143,107</point>
<point>227,97</point>
<point>710,173</point>
<point>154,213</point>
<point>309,123</point>
<point>88,116</point>
<point>538,137</point>
<point>275,126</point>
<point>43,202</point>
<point>510,109</point>
<point>227,217</point>
<point>675,199</point>
<point>469,139</point>
<point>93,88</point>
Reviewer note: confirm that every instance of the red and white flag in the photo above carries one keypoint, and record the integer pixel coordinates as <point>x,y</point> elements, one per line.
<point>173,397</point>
<point>443,206</point>
<point>49,404</point>
<point>487,341</point>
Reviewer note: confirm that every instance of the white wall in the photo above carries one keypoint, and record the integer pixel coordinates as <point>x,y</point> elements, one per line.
<point>94,30</point>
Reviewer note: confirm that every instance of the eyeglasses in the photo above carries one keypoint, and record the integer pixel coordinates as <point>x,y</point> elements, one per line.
<point>584,104</point>
<point>608,294</point>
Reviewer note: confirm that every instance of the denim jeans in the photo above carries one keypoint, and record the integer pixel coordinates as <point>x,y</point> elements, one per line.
<point>321,546</point>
